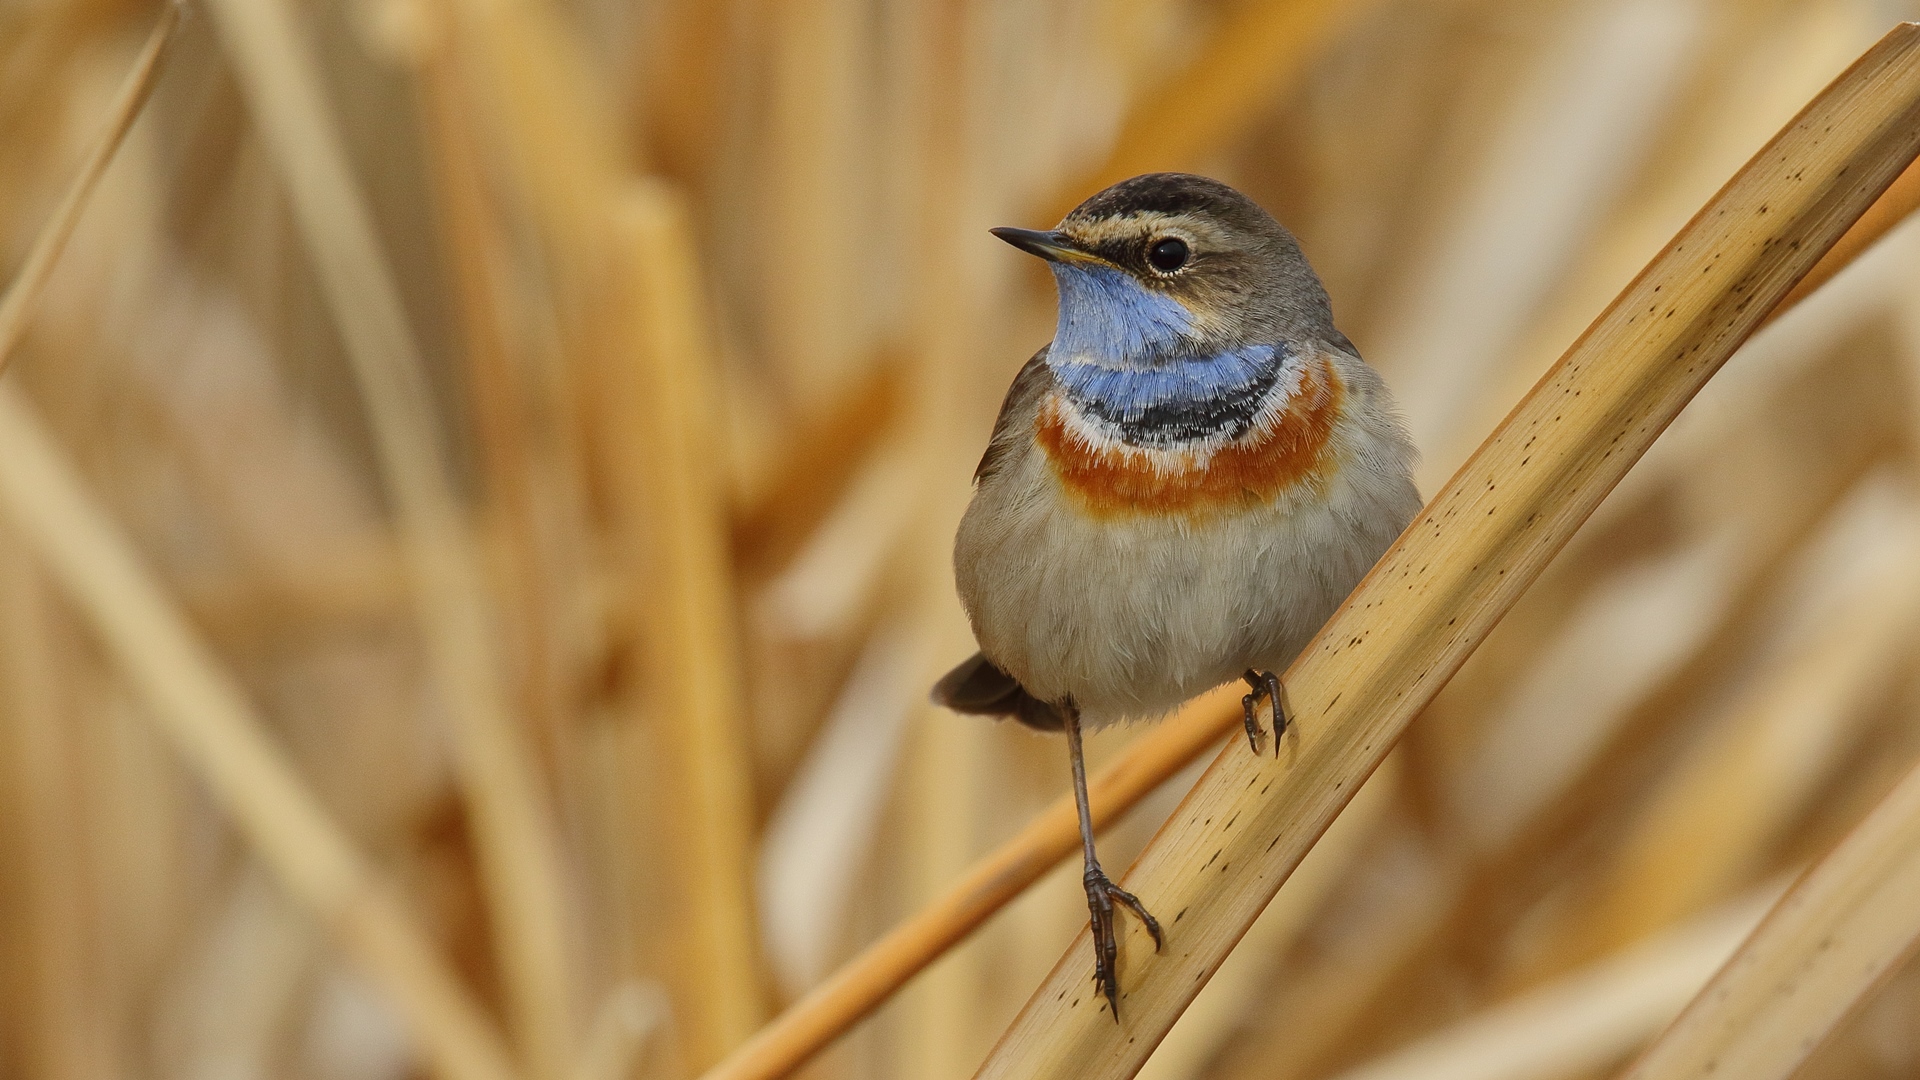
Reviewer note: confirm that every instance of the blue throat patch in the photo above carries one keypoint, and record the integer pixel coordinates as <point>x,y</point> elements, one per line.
<point>1106,317</point>
<point>1122,353</point>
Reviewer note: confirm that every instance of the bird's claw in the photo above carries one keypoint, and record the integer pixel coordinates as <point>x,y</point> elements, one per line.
<point>1101,895</point>
<point>1263,684</point>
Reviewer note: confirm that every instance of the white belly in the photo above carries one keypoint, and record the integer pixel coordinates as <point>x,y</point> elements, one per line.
<point>1131,616</point>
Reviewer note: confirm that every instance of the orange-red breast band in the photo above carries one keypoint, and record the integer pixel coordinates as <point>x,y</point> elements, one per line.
<point>1118,481</point>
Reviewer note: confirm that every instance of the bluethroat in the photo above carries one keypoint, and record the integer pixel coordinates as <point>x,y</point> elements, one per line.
<point>1179,489</point>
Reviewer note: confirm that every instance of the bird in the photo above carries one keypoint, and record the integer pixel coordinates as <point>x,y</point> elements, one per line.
<point>1179,489</point>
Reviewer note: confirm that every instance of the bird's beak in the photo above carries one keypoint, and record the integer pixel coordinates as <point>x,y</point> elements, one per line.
<point>1051,246</point>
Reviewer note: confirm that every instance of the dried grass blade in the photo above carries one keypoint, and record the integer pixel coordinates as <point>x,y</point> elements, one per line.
<point>1464,561</point>
<point>202,711</point>
<point>1844,927</point>
<point>520,866</point>
<point>16,305</point>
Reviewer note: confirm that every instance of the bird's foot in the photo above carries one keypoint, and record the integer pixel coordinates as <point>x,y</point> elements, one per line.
<point>1102,894</point>
<point>1264,684</point>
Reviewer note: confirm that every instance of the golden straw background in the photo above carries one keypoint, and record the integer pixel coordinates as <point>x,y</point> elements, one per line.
<point>476,486</point>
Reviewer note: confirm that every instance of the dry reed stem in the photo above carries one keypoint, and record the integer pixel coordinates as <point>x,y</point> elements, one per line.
<point>1704,826</point>
<point>69,1031</point>
<point>203,712</point>
<point>1892,208</point>
<point>1336,1003</point>
<point>813,215</point>
<point>1190,1048</point>
<point>17,303</point>
<point>665,422</point>
<point>1435,595</point>
<point>521,870</point>
<point>1842,929</point>
<point>1585,1019</point>
<point>1720,576</point>
<point>1259,48</point>
<point>470,230</point>
<point>1743,83</point>
<point>528,76</point>
<point>859,986</point>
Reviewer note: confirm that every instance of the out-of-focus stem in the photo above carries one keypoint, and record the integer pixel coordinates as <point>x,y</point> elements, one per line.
<point>660,434</point>
<point>520,866</point>
<point>200,709</point>
<point>32,276</point>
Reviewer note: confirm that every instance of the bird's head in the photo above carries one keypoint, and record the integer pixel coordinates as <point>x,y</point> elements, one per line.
<point>1169,266</point>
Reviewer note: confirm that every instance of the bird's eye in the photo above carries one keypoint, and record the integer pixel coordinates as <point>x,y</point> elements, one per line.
<point>1168,255</point>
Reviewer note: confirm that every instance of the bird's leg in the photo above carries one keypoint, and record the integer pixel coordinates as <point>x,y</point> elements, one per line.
<point>1263,684</point>
<point>1102,893</point>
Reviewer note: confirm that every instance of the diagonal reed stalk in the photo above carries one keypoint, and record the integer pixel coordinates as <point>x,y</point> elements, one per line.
<point>520,866</point>
<point>1838,933</point>
<point>204,714</point>
<point>860,986</point>
<point>17,304</point>
<point>1464,561</point>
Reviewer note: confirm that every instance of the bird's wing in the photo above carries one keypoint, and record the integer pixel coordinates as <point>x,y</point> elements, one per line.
<point>979,687</point>
<point>1034,380</point>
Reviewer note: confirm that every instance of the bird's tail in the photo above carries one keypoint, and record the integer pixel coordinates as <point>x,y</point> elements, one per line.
<point>979,687</point>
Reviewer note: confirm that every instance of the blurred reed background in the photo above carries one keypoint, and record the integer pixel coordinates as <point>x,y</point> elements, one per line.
<point>478,491</point>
